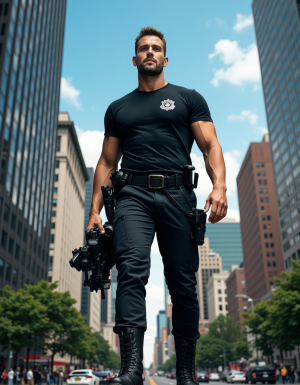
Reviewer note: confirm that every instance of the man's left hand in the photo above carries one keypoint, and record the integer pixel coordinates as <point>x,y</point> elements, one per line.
<point>218,201</point>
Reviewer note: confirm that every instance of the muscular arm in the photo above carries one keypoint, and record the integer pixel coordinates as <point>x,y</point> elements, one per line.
<point>206,139</point>
<point>108,162</point>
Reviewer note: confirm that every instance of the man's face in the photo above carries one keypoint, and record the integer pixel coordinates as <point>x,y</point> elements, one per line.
<point>150,59</point>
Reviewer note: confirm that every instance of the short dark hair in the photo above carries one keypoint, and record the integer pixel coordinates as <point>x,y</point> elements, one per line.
<point>150,31</point>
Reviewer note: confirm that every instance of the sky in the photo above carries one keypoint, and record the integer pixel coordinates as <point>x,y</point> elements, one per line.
<point>211,47</point>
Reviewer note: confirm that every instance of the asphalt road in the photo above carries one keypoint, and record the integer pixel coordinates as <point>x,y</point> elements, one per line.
<point>156,380</point>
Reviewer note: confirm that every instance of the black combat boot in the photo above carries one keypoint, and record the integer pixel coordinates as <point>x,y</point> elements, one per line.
<point>185,361</point>
<point>131,343</point>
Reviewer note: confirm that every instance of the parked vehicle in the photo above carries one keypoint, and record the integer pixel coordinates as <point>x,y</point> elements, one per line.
<point>261,374</point>
<point>214,376</point>
<point>236,376</point>
<point>202,377</point>
<point>173,376</point>
<point>84,376</point>
<point>224,375</point>
<point>104,377</point>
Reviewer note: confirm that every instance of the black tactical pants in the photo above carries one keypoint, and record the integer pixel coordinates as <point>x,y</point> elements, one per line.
<point>140,212</point>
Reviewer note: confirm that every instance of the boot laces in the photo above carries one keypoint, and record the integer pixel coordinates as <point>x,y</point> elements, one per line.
<point>128,353</point>
<point>188,362</point>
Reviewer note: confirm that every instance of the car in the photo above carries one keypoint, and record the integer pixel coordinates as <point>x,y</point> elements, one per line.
<point>261,374</point>
<point>214,376</point>
<point>202,377</point>
<point>224,375</point>
<point>173,376</point>
<point>104,376</point>
<point>84,376</point>
<point>143,377</point>
<point>236,376</point>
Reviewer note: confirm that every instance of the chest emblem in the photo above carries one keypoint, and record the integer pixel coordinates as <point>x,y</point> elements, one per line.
<point>167,105</point>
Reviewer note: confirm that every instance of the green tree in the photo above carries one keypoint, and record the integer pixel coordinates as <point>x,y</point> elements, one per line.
<point>23,319</point>
<point>225,328</point>
<point>113,360</point>
<point>284,310</point>
<point>65,323</point>
<point>242,348</point>
<point>169,365</point>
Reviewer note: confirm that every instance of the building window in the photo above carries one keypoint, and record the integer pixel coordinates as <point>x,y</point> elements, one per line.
<point>28,262</point>
<point>19,231</point>
<point>262,208</point>
<point>4,239</point>
<point>262,164</point>
<point>220,307</point>
<point>6,213</point>
<point>265,227</point>
<point>3,29</point>
<point>13,221</point>
<point>53,214</point>
<point>269,217</point>
<point>263,173</point>
<point>242,282</point>
<point>17,252</point>
<point>274,264</point>
<point>21,280</point>
<point>267,199</point>
<point>15,277</point>
<point>54,203</point>
<point>243,290</point>
<point>50,263</point>
<point>257,164</point>
<point>266,235</point>
<point>258,173</point>
<point>271,244</point>
<point>271,235</point>
<point>219,291</point>
<point>25,235</point>
<point>52,225</point>
<point>8,272</point>
<point>263,218</point>
<point>55,190</point>
<point>1,267</point>
<point>244,299</point>
<point>268,254</point>
<point>5,9</point>
<point>11,246</point>
<point>260,191</point>
<point>52,238</point>
<point>57,164</point>
<point>271,283</point>
<point>220,299</point>
<point>266,245</point>
<point>56,177</point>
<point>269,264</point>
<point>264,181</point>
<point>273,254</point>
<point>58,142</point>
<point>266,191</point>
<point>259,181</point>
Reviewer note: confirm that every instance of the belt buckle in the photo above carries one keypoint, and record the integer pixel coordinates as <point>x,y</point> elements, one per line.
<point>162,181</point>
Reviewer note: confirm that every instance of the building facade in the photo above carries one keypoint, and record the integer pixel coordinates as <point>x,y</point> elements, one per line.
<point>236,285</point>
<point>209,263</point>
<point>277,28</point>
<point>225,240</point>
<point>90,301</point>
<point>31,46</point>
<point>217,295</point>
<point>160,323</point>
<point>67,209</point>
<point>259,220</point>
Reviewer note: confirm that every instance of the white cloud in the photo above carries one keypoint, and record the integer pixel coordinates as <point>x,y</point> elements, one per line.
<point>91,147</point>
<point>243,64</point>
<point>242,21</point>
<point>79,131</point>
<point>235,214</point>
<point>69,93</point>
<point>261,130</point>
<point>219,21</point>
<point>245,115</point>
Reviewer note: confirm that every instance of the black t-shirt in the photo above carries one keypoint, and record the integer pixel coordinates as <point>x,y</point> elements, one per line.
<point>154,128</point>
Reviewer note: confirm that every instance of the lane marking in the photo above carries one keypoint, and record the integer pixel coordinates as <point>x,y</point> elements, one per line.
<point>152,382</point>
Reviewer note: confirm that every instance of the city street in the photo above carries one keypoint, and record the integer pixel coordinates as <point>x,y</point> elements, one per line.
<point>155,380</point>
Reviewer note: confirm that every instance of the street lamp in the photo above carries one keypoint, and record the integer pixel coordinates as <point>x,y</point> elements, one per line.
<point>224,354</point>
<point>250,300</point>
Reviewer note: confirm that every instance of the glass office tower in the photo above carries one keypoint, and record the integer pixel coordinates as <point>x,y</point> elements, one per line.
<point>277,29</point>
<point>31,46</point>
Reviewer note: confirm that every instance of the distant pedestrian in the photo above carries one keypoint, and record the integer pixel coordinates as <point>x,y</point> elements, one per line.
<point>298,374</point>
<point>283,374</point>
<point>4,377</point>
<point>18,376</point>
<point>37,376</point>
<point>291,374</point>
<point>30,379</point>
<point>11,375</point>
<point>24,377</point>
<point>48,377</point>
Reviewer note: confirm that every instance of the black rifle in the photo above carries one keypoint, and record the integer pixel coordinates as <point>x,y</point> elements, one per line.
<point>96,255</point>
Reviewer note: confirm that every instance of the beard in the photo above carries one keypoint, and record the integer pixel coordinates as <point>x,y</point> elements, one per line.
<point>153,70</point>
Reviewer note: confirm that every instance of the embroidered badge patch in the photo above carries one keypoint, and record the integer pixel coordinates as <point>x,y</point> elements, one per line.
<point>167,105</point>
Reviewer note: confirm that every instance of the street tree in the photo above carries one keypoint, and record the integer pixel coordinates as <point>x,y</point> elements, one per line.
<point>242,349</point>
<point>169,365</point>
<point>23,319</point>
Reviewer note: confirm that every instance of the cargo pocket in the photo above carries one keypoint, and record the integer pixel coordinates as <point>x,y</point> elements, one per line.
<point>121,240</point>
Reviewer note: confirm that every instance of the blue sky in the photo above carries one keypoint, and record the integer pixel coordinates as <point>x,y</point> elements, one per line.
<point>211,48</point>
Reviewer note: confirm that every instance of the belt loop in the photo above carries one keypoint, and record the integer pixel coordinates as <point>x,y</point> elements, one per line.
<point>129,179</point>
<point>176,180</point>
<point>166,181</point>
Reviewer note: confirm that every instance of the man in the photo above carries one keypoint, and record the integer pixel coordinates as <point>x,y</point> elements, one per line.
<point>283,373</point>
<point>30,379</point>
<point>11,374</point>
<point>18,376</point>
<point>153,128</point>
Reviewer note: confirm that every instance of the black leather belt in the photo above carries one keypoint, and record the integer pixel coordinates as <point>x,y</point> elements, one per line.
<point>155,181</point>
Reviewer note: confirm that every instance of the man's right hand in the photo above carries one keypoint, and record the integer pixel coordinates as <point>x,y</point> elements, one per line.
<point>95,221</point>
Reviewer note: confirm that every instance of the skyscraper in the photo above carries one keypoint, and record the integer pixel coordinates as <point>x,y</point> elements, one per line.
<point>67,209</point>
<point>90,301</point>
<point>259,220</point>
<point>277,29</point>
<point>217,295</point>
<point>225,239</point>
<point>236,284</point>
<point>31,45</point>
<point>209,263</point>
<point>160,322</point>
